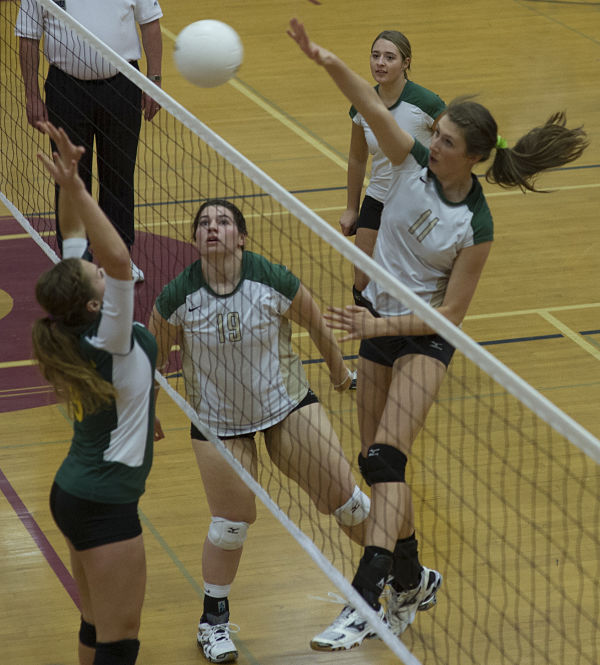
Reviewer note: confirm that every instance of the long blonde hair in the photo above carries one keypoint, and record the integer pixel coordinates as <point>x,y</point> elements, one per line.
<point>64,292</point>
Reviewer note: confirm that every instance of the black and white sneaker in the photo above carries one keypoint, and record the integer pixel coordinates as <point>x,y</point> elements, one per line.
<point>353,375</point>
<point>347,631</point>
<point>215,641</point>
<point>137,273</point>
<point>402,606</point>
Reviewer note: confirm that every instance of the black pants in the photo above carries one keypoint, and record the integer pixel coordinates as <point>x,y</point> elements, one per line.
<point>108,111</point>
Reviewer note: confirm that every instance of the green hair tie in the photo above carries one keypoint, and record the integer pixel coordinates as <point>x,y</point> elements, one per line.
<point>501,143</point>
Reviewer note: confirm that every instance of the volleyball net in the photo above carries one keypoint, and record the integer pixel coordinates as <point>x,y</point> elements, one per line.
<point>505,486</point>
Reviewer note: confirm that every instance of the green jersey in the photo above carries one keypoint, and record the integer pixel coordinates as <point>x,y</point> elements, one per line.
<point>111,450</point>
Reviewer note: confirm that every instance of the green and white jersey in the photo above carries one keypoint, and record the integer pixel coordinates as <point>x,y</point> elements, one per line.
<point>240,372</point>
<point>111,450</point>
<point>415,112</point>
<point>421,233</point>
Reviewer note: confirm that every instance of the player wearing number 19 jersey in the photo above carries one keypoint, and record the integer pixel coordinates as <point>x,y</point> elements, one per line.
<point>240,372</point>
<point>231,312</point>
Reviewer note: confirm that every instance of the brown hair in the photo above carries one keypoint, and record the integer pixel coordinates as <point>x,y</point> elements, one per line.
<point>400,41</point>
<point>64,292</point>
<point>547,146</point>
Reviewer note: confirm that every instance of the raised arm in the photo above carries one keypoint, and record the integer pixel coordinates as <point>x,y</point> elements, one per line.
<point>79,207</point>
<point>305,312</point>
<point>394,141</point>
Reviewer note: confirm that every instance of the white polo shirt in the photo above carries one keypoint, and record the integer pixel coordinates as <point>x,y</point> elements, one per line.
<point>112,21</point>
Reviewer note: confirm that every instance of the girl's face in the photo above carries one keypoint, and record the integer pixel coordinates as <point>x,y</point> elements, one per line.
<point>448,150</point>
<point>217,232</point>
<point>387,65</point>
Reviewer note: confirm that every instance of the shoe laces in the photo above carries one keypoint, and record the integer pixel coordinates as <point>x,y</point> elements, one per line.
<point>342,618</point>
<point>220,631</point>
<point>332,597</point>
<point>400,599</point>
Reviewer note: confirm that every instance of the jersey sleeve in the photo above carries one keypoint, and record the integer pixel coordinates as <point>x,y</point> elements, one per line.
<point>170,299</point>
<point>146,11</point>
<point>175,293</point>
<point>483,224</point>
<point>30,23</point>
<point>276,276</point>
<point>287,283</point>
<point>420,153</point>
<point>428,102</point>
<point>434,106</point>
<point>74,248</point>
<point>114,330</point>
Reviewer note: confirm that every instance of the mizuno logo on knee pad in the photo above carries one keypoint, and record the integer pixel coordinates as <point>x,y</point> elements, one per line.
<point>383,464</point>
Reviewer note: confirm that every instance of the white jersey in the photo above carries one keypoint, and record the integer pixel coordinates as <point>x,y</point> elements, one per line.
<point>415,112</point>
<point>112,21</point>
<point>421,233</point>
<point>240,372</point>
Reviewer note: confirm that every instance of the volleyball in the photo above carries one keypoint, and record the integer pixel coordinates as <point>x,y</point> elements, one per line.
<point>208,53</point>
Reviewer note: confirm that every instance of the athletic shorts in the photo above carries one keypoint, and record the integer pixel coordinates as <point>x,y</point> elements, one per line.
<point>90,524</point>
<point>310,398</point>
<point>369,216</point>
<point>385,350</point>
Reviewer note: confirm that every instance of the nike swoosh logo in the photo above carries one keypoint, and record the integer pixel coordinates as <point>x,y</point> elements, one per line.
<point>191,309</point>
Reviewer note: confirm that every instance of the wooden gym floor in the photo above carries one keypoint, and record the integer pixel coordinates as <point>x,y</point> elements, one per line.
<point>537,307</point>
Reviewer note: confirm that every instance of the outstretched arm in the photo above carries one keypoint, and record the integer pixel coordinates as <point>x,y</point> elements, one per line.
<point>304,312</point>
<point>79,207</point>
<point>395,142</point>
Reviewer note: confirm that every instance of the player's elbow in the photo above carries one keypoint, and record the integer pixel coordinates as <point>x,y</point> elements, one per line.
<point>454,312</point>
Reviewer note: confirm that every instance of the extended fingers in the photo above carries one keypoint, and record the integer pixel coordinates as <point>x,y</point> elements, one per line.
<point>298,33</point>
<point>66,149</point>
<point>296,29</point>
<point>47,162</point>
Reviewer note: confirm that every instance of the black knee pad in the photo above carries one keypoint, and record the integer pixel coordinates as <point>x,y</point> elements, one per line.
<point>362,467</point>
<point>383,464</point>
<point>87,634</point>
<point>123,652</point>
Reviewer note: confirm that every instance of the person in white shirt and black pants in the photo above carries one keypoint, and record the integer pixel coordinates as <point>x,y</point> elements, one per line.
<point>88,97</point>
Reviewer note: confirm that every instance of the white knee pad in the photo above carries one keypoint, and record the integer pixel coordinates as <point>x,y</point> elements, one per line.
<point>226,534</point>
<point>355,510</point>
